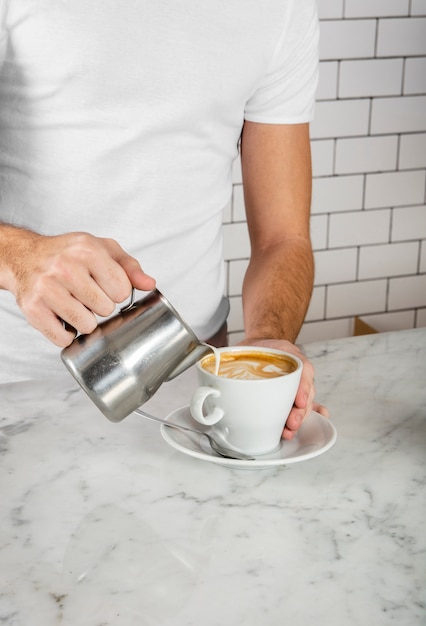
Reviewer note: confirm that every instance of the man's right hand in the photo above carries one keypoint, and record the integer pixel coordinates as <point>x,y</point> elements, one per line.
<point>67,277</point>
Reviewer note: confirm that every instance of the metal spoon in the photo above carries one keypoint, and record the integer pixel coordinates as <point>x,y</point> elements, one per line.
<point>217,447</point>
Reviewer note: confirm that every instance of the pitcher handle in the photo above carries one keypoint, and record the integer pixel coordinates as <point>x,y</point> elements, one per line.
<point>130,303</point>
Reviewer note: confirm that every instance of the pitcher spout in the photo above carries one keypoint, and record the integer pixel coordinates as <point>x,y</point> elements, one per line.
<point>196,351</point>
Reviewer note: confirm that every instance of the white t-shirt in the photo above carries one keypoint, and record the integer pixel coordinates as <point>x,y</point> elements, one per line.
<point>122,119</point>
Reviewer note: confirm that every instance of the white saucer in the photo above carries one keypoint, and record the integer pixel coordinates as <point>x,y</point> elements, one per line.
<point>316,436</point>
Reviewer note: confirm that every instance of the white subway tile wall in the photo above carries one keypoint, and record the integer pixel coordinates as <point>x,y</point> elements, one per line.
<point>418,7</point>
<point>368,138</point>
<point>375,8</point>
<point>412,151</point>
<point>415,75</point>
<point>423,260</point>
<point>370,77</point>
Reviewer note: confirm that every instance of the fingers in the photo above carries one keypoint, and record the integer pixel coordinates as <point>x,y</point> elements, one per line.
<point>53,328</point>
<point>71,295</point>
<point>58,332</point>
<point>304,402</point>
<point>305,393</point>
<point>94,274</point>
<point>298,416</point>
<point>136,275</point>
<point>321,409</point>
<point>47,310</point>
<point>293,423</point>
<point>73,278</point>
<point>116,272</point>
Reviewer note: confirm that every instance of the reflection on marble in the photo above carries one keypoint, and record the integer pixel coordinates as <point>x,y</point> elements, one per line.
<point>104,524</point>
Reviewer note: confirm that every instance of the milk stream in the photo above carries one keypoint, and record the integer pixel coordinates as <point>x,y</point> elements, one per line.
<point>217,358</point>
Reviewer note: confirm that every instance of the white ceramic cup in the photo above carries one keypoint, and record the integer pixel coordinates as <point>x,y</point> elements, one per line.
<point>247,414</point>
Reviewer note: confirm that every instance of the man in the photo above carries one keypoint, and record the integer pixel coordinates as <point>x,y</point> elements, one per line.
<point>119,124</point>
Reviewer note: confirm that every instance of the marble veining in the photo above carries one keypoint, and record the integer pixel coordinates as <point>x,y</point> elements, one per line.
<point>104,524</point>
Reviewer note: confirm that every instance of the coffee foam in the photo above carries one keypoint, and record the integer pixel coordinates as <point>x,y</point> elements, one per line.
<point>249,365</point>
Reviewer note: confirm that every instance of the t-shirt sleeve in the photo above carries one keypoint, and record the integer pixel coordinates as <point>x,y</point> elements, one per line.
<point>287,93</point>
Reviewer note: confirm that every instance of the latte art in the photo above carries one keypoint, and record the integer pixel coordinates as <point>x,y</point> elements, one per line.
<point>246,369</point>
<point>249,365</point>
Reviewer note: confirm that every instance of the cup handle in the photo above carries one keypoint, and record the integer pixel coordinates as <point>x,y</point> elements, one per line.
<point>197,402</point>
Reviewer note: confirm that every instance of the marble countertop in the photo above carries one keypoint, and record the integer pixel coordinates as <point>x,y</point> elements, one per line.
<point>105,524</point>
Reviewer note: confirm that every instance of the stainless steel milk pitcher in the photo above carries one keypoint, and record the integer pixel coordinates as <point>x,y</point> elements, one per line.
<point>122,363</point>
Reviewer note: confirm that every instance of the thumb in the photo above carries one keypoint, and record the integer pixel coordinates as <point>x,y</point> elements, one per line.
<point>136,275</point>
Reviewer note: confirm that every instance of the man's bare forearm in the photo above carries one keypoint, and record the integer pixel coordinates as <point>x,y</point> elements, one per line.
<point>277,178</point>
<point>13,241</point>
<point>277,289</point>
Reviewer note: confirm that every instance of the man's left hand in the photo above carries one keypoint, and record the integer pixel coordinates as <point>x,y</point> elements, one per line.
<point>304,403</point>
